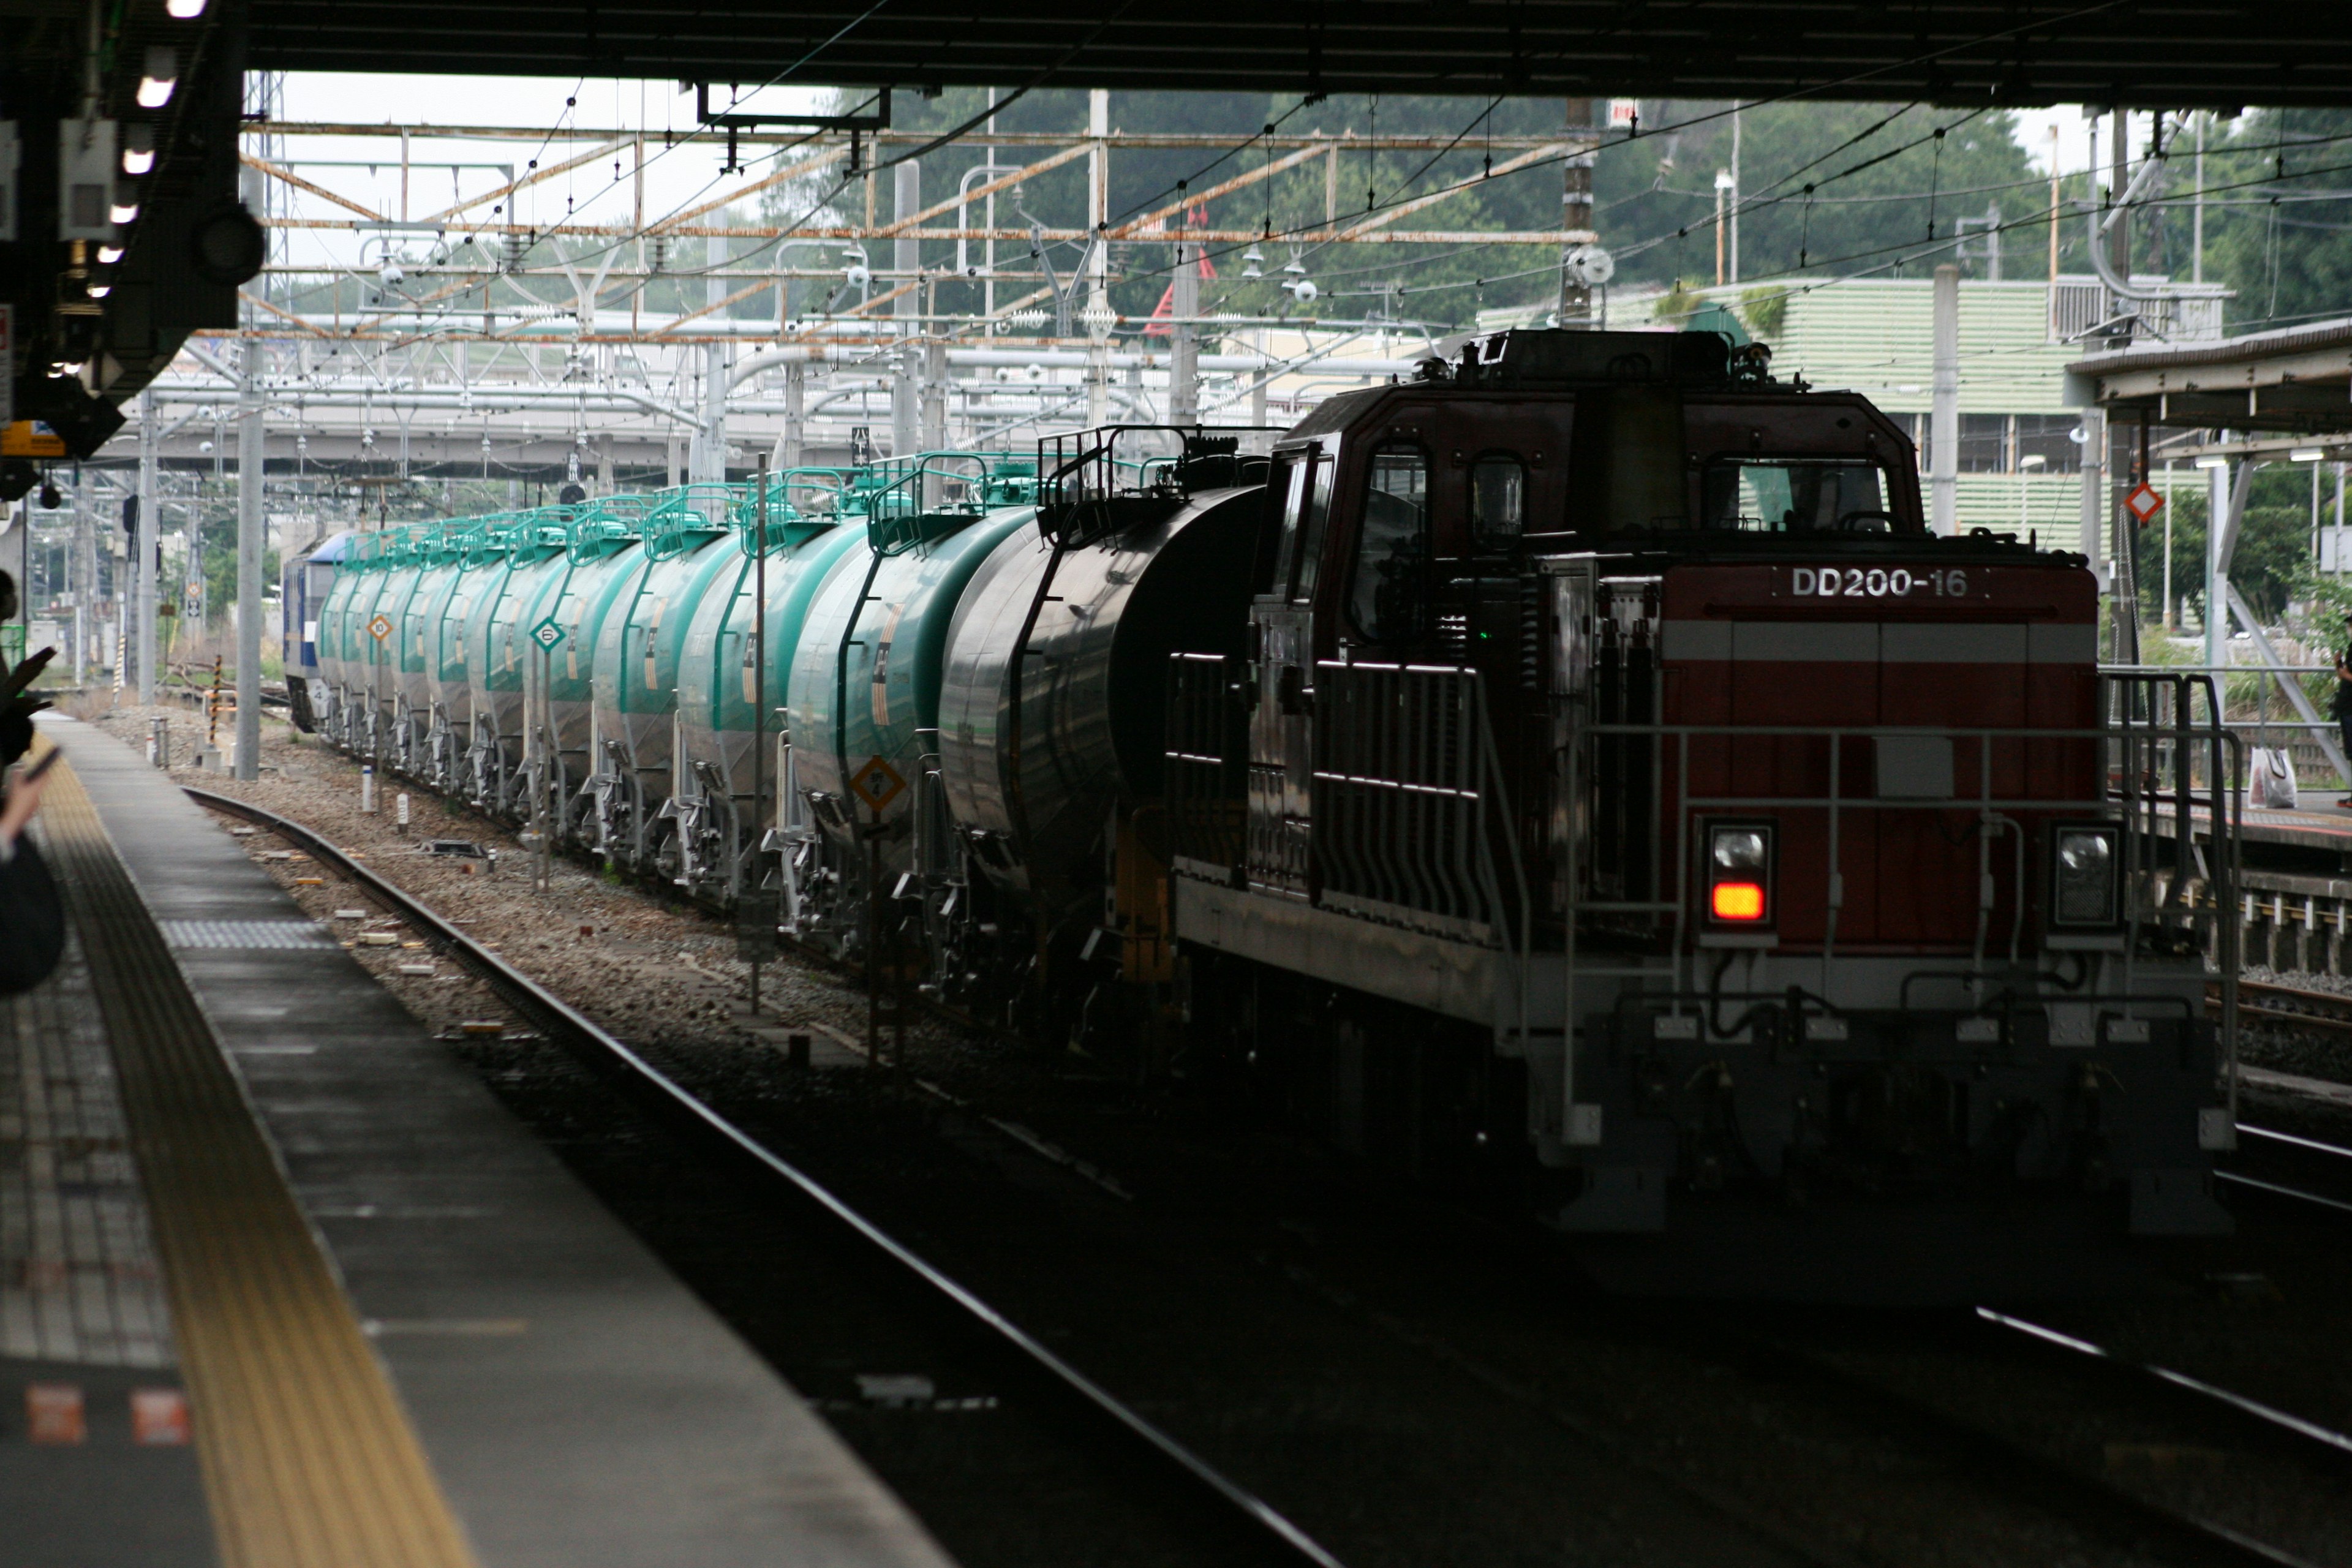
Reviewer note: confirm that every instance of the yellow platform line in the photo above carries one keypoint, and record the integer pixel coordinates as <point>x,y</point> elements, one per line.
<point>308,1458</point>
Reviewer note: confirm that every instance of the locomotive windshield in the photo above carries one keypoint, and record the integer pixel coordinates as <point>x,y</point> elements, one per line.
<point>1797,495</point>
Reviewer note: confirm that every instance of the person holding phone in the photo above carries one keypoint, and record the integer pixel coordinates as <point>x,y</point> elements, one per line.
<point>17,705</point>
<point>32,915</point>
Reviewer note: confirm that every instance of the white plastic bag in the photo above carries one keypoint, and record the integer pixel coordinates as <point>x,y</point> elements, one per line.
<point>2271,779</point>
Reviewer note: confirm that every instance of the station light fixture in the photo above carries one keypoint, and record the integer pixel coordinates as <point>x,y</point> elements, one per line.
<point>108,255</point>
<point>2086,875</point>
<point>98,290</point>
<point>1739,874</point>
<point>125,208</point>
<point>183,10</point>
<point>162,75</point>
<point>2212,462</point>
<point>2305,454</point>
<point>138,151</point>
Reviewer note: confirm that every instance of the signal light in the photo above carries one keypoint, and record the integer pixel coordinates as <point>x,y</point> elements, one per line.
<point>1737,900</point>
<point>2086,875</point>
<point>1739,866</point>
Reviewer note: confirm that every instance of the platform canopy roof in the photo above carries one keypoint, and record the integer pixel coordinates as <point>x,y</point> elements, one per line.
<point>2134,53</point>
<point>2292,381</point>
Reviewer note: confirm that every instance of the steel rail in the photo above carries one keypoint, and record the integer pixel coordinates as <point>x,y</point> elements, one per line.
<point>1274,1537</point>
<point>2326,1441</point>
<point>2277,1189</point>
<point>2064,1487</point>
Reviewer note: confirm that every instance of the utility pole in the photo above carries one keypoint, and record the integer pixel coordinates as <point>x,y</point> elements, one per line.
<point>2119,248</point>
<point>2216,603</point>
<point>1735,192</point>
<point>250,520</point>
<point>2196,209</point>
<point>2053,235</point>
<point>1097,312</point>
<point>1944,405</point>
<point>709,462</point>
<point>795,413</point>
<point>1722,189</point>
<point>1575,212</point>
<point>1184,303</point>
<point>907,264</point>
<point>148,544</point>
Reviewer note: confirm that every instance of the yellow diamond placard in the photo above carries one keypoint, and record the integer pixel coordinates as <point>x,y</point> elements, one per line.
<point>875,783</point>
<point>379,627</point>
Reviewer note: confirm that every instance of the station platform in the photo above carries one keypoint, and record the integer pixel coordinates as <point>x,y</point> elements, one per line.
<point>280,1283</point>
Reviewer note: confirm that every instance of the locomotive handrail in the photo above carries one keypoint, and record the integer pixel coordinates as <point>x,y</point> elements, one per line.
<point>2162,742</point>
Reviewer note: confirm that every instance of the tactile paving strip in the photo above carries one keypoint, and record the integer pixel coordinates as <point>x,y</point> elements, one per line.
<point>77,1278</point>
<point>307,1459</point>
<point>245,933</point>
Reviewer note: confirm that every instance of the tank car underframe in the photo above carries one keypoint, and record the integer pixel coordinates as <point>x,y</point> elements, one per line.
<point>1892,1073</point>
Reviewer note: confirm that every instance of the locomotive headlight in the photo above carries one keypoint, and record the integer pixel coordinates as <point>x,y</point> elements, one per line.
<point>1739,874</point>
<point>2085,876</point>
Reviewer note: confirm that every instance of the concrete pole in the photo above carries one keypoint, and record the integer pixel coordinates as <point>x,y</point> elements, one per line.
<point>934,398</point>
<point>1097,312</point>
<point>1735,192</point>
<point>795,413</point>
<point>2217,604</point>
<point>2119,245</point>
<point>81,570</point>
<point>709,462</point>
<point>150,545</point>
<point>1575,211</point>
<point>2094,493</point>
<point>1185,366</point>
<point>2196,209</point>
<point>249,458</point>
<point>906,261</point>
<point>1944,415</point>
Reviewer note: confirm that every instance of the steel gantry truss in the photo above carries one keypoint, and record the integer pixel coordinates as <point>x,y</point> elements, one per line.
<point>454,337</point>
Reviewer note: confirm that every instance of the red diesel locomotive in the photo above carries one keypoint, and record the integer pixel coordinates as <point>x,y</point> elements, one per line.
<point>1622,783</point>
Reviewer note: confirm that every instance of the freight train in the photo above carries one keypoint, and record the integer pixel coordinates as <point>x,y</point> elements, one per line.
<point>1578,761</point>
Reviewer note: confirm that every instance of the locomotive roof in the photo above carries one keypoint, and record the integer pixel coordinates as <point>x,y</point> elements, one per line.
<point>1553,359</point>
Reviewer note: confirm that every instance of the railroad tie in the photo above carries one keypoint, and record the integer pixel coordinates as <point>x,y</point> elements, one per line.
<point>308,1460</point>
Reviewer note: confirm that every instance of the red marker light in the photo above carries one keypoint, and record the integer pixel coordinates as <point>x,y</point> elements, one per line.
<point>1738,900</point>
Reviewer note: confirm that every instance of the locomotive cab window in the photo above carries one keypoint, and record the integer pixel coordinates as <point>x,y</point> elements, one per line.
<point>1393,547</point>
<point>1498,501</point>
<point>1797,495</point>
<point>1307,507</point>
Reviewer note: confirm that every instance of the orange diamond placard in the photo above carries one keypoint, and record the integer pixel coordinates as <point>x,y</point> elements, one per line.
<point>159,1417</point>
<point>53,1414</point>
<point>2144,503</point>
<point>875,783</point>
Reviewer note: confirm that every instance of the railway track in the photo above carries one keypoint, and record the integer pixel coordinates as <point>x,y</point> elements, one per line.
<point>1224,1522</point>
<point>2324,1010</point>
<point>1246,1530</point>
